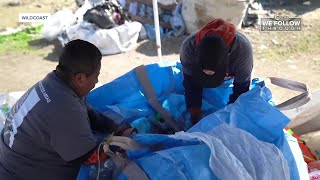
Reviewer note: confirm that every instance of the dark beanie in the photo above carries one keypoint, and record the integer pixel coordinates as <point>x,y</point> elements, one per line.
<point>211,51</point>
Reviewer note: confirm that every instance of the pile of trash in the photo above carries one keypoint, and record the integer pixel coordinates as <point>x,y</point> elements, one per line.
<point>115,26</point>
<point>112,26</point>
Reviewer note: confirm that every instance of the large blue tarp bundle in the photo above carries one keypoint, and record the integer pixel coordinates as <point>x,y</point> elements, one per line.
<point>185,155</point>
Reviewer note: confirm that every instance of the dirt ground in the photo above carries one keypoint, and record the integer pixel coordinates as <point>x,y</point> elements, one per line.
<point>9,14</point>
<point>19,71</point>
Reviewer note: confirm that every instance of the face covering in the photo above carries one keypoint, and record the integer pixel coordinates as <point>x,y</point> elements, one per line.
<point>211,55</point>
<point>208,81</point>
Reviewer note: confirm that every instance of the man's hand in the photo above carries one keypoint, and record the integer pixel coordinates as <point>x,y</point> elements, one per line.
<point>121,144</point>
<point>124,130</point>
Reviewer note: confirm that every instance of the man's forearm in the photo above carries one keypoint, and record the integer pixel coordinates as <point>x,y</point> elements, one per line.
<point>193,93</point>
<point>238,89</point>
<point>101,123</point>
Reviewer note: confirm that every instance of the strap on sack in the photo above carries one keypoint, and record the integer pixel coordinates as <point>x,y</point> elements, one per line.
<point>152,98</point>
<point>128,168</point>
<point>296,101</point>
<point>123,165</point>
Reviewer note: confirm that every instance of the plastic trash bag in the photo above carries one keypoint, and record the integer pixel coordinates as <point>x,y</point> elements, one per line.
<point>7,100</point>
<point>109,41</point>
<point>54,26</point>
<point>177,22</point>
<point>106,15</point>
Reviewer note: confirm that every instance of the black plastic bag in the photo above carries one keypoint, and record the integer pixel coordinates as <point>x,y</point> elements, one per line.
<point>106,15</point>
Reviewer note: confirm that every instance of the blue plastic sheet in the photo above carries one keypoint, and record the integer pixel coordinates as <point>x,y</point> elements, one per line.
<point>166,81</point>
<point>252,112</point>
<point>266,124</point>
<point>234,154</point>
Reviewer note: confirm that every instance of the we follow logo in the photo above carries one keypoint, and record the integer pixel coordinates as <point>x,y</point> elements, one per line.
<point>281,23</point>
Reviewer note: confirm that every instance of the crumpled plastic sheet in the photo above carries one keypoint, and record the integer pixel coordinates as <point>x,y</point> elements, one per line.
<point>236,154</point>
<point>253,112</point>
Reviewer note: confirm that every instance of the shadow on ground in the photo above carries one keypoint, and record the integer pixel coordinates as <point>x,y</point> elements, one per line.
<point>39,43</point>
<point>169,46</point>
<point>52,55</point>
<point>56,51</point>
<point>298,7</point>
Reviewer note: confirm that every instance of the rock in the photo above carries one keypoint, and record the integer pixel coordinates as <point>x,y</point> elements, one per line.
<point>275,42</point>
<point>15,3</point>
<point>198,13</point>
<point>263,47</point>
<point>292,66</point>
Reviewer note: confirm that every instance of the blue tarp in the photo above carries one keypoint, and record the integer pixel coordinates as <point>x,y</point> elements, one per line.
<point>253,112</point>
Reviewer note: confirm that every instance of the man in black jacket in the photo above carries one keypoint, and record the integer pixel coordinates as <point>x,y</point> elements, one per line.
<point>211,55</point>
